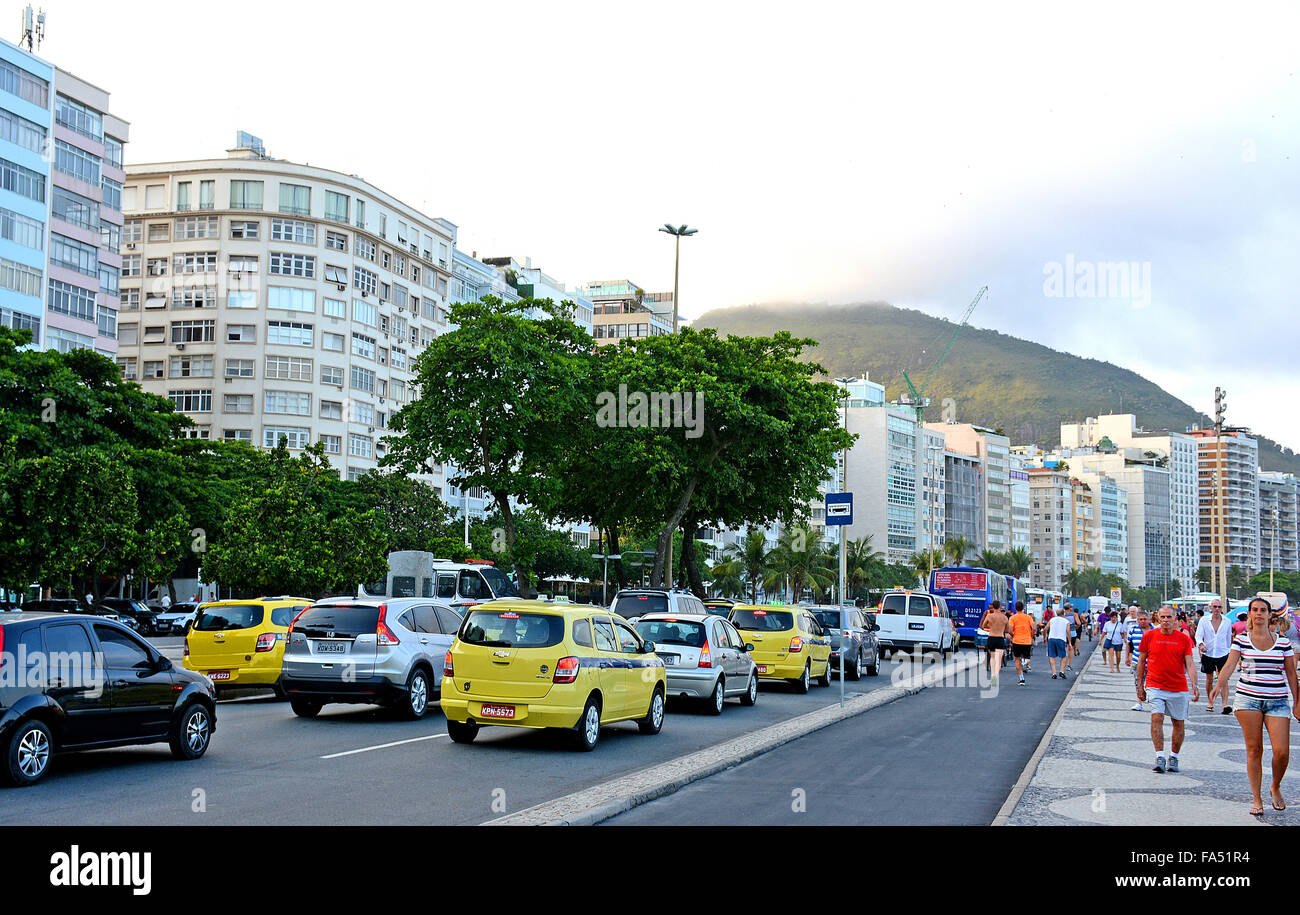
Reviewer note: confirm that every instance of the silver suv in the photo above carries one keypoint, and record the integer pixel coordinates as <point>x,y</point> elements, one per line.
<point>367,650</point>
<point>632,603</point>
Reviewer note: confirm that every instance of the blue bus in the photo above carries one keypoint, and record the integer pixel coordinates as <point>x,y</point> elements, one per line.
<point>968,593</point>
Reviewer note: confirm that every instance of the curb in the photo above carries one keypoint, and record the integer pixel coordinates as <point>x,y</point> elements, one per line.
<point>601,802</point>
<point>1031,767</point>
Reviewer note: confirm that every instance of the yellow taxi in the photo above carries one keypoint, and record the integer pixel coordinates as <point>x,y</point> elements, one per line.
<point>241,642</point>
<point>789,643</point>
<point>535,664</point>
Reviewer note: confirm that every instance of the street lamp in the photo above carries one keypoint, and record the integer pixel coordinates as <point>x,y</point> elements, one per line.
<point>678,232</point>
<point>604,579</point>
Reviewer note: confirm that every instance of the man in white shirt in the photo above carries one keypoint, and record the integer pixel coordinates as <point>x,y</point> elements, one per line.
<point>1058,640</point>
<point>1214,641</point>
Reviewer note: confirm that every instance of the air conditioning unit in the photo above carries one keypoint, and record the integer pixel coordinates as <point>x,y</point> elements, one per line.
<point>130,246</point>
<point>180,346</point>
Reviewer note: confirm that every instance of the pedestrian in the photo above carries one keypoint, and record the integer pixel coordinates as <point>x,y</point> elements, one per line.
<point>1072,615</point>
<point>994,622</point>
<point>1214,640</point>
<point>1058,638</point>
<point>1132,639</point>
<point>1267,697</point>
<point>1022,639</point>
<point>1165,675</point>
<point>1112,641</point>
<point>1239,622</point>
<point>1047,618</point>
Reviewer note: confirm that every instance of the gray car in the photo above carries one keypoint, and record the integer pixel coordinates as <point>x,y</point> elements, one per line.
<point>704,656</point>
<point>385,651</point>
<point>855,631</point>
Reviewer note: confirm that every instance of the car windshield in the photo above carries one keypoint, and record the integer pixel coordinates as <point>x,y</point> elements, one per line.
<point>630,605</point>
<point>512,629</point>
<point>501,585</point>
<point>234,616</point>
<point>762,620</point>
<point>672,632</point>
<point>828,618</point>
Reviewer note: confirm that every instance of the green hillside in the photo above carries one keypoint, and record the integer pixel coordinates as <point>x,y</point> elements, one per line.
<point>996,380</point>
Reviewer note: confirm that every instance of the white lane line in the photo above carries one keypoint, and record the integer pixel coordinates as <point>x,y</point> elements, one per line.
<point>383,746</point>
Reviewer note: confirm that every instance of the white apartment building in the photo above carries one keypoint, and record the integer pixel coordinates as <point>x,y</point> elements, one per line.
<point>1279,521</point>
<point>1020,510</point>
<point>271,301</point>
<point>994,452</point>
<point>1233,517</point>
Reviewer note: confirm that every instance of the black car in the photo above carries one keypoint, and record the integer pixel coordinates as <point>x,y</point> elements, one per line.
<point>852,632</point>
<point>129,608</point>
<point>72,605</point>
<point>81,682</point>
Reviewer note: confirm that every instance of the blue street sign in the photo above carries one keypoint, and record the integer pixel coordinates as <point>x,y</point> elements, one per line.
<point>839,508</point>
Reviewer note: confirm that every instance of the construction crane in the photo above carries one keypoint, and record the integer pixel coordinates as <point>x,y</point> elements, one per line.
<point>918,398</point>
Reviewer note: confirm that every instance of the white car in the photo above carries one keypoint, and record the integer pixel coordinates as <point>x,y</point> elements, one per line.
<point>914,621</point>
<point>176,619</point>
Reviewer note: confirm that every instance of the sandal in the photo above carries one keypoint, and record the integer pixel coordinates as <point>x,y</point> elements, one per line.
<point>1257,811</point>
<point>1276,807</point>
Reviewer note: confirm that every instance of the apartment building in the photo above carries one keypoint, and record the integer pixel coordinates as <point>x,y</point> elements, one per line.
<point>1279,521</point>
<point>1052,521</point>
<point>620,308</point>
<point>273,301</point>
<point>994,452</point>
<point>1112,542</point>
<point>528,281</point>
<point>932,491</point>
<point>963,500</point>
<point>1020,503</point>
<point>1231,516</point>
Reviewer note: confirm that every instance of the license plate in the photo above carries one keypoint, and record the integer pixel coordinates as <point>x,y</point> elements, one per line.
<point>219,675</point>
<point>916,625</point>
<point>498,711</point>
<point>669,660</point>
<point>331,647</point>
<point>762,668</point>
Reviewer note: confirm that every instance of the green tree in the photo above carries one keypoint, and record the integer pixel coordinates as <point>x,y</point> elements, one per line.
<point>956,549</point>
<point>418,518</point>
<point>993,560</point>
<point>1018,562</point>
<point>1074,582</point>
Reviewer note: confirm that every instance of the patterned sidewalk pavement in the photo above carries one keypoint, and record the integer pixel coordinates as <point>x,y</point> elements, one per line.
<point>1097,768</point>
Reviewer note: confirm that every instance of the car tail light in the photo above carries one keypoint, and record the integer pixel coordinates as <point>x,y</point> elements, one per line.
<point>934,611</point>
<point>186,654</point>
<point>385,634</point>
<point>295,619</point>
<point>706,659</point>
<point>266,641</point>
<point>447,669</point>
<point>567,670</point>
<point>796,644</point>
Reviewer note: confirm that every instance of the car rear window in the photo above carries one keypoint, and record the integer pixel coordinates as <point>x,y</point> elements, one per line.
<point>672,632</point>
<point>828,618</point>
<point>631,605</point>
<point>345,621</point>
<point>920,606</point>
<point>233,616</point>
<point>512,629</point>
<point>895,604</point>
<point>762,620</point>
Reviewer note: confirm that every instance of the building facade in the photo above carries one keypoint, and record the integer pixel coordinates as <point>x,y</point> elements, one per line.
<point>1231,516</point>
<point>620,308</point>
<point>994,453</point>
<point>1051,527</point>
<point>1279,522</point>
<point>963,501</point>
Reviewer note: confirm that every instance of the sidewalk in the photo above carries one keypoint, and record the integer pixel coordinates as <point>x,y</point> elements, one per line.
<point>1097,768</point>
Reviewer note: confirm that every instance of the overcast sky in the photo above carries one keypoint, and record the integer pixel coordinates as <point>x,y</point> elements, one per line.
<point>835,152</point>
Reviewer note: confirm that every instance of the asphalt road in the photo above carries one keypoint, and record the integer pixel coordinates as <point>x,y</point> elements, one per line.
<point>946,756</point>
<point>363,765</point>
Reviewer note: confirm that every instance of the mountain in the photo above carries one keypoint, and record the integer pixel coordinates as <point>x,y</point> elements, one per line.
<point>995,380</point>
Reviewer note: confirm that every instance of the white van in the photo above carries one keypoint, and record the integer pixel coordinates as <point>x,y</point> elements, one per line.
<point>414,573</point>
<point>914,621</point>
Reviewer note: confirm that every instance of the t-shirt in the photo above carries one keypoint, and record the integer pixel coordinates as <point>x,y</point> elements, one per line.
<point>1022,629</point>
<point>1263,673</point>
<point>1135,633</point>
<point>1108,632</point>
<point>1058,628</point>
<point>1166,659</point>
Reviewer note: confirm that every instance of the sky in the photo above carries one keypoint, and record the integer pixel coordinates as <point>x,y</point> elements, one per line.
<point>827,152</point>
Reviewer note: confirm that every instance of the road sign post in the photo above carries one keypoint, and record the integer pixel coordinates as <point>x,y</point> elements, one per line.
<point>839,512</point>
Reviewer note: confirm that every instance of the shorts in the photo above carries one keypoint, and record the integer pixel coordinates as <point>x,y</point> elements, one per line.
<point>1025,651</point>
<point>997,643</point>
<point>1074,639</point>
<point>1056,648</point>
<point>1211,665</point>
<point>1276,708</point>
<point>1164,702</point>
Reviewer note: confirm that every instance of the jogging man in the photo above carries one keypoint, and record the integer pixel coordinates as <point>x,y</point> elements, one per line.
<point>1058,640</point>
<point>1133,639</point>
<point>1072,615</point>
<point>994,622</point>
<point>1214,641</point>
<point>1022,639</point>
<point>1164,672</point>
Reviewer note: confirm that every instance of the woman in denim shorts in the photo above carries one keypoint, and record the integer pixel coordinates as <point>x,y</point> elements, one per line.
<point>1268,695</point>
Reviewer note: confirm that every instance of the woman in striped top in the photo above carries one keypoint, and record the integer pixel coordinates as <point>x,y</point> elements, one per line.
<point>1267,696</point>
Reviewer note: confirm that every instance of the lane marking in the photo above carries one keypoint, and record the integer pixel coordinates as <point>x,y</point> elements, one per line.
<point>383,746</point>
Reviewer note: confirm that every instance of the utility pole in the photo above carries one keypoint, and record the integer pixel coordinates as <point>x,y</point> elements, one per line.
<point>1220,407</point>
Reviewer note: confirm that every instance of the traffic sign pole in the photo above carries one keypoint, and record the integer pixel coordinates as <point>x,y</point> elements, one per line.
<point>839,512</point>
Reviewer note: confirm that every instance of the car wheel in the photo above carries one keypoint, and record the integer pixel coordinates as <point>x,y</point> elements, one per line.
<point>873,669</point>
<point>751,694</point>
<point>191,731</point>
<point>417,695</point>
<point>653,721</point>
<point>587,730</point>
<point>305,708</point>
<point>855,672</point>
<point>801,685</point>
<point>28,755</point>
<point>825,679</point>
<point>461,731</point>
<point>717,699</point>
<point>278,688</point>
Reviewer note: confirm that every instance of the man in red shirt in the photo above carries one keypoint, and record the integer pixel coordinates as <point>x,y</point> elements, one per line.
<point>1164,672</point>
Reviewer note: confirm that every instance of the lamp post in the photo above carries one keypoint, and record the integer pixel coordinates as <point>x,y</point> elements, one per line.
<point>676,232</point>
<point>604,578</point>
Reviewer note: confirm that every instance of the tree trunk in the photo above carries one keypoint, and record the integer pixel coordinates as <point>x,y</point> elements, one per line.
<point>620,574</point>
<point>508,518</point>
<point>665,541</point>
<point>689,528</point>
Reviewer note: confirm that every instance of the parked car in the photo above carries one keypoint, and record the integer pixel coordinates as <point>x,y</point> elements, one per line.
<point>915,621</point>
<point>530,664</point>
<point>704,655</point>
<point>789,644</point>
<point>129,608</point>
<point>719,606</point>
<point>632,603</point>
<point>241,642</point>
<point>386,651</point>
<point>853,634</point>
<point>136,697</point>
<point>72,605</point>
<point>176,619</point>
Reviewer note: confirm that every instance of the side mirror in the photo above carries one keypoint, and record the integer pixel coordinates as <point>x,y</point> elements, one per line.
<point>749,646</point>
<point>647,647</point>
<point>163,663</point>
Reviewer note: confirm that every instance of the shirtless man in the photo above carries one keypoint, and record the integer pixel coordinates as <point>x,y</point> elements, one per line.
<point>995,622</point>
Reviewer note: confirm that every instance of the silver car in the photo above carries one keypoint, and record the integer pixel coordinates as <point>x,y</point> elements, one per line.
<point>385,651</point>
<point>853,632</point>
<point>704,655</point>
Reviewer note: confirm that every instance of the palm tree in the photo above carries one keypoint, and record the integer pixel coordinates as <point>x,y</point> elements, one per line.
<point>727,579</point>
<point>749,561</point>
<point>1018,561</point>
<point>925,562</point>
<point>861,563</point>
<point>956,549</point>
<point>1074,581</point>
<point>992,560</point>
<point>800,559</point>
<point>1093,581</point>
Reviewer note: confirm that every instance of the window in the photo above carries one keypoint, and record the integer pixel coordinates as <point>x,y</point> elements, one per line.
<point>130,300</point>
<point>399,296</point>
<point>22,181</point>
<point>294,402</point>
<point>291,368</point>
<point>239,368</point>
<point>337,275</point>
<point>133,231</point>
<point>336,241</point>
<point>331,409</point>
<point>237,403</point>
<point>106,322</point>
<point>128,334</point>
<point>66,252</point>
<point>331,374</point>
<point>86,121</point>
<point>76,163</point>
<point>191,367</point>
<point>153,368</point>
<point>365,312</point>
<point>22,132</point>
<point>127,365</point>
<point>238,435</point>
<point>245,195</point>
<point>74,209</point>
<point>241,333</point>
<point>336,206</point>
<point>109,278</point>
<point>332,343</point>
<point>385,260</point>
<point>194,331</point>
<point>110,236</point>
<point>361,412</point>
<point>195,262</point>
<point>156,266</point>
<point>360,445</point>
<point>303,265</point>
<point>244,229</point>
<point>333,444</point>
<point>71,300</point>
<point>207,195</point>
<point>241,263</point>
<point>365,248</point>
<point>334,308</point>
<point>17,81</point>
<point>241,299</point>
<point>291,299</point>
<point>295,198</point>
<point>399,358</point>
<point>295,437</point>
<point>363,379</point>
<point>289,333</point>
<point>194,297</point>
<point>192,401</point>
<point>382,356</point>
<point>361,213</point>
<point>363,346</point>
<point>293,230</point>
<point>188,227</point>
<point>383,291</point>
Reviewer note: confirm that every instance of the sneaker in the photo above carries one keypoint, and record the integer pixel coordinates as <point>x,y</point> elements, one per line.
<point>1137,706</point>
<point>1022,681</point>
<point>1173,764</point>
<point>1160,764</point>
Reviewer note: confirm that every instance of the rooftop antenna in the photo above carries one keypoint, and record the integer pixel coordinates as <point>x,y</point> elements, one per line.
<point>33,29</point>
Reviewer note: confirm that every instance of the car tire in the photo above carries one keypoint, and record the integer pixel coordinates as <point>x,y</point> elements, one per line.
<point>305,708</point>
<point>717,698</point>
<point>191,731</point>
<point>416,705</point>
<point>801,685</point>
<point>461,731</point>
<point>587,731</point>
<point>825,679</point>
<point>653,722</point>
<point>278,689</point>
<point>751,694</point>
<point>873,669</point>
<point>28,755</point>
<point>854,673</point>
